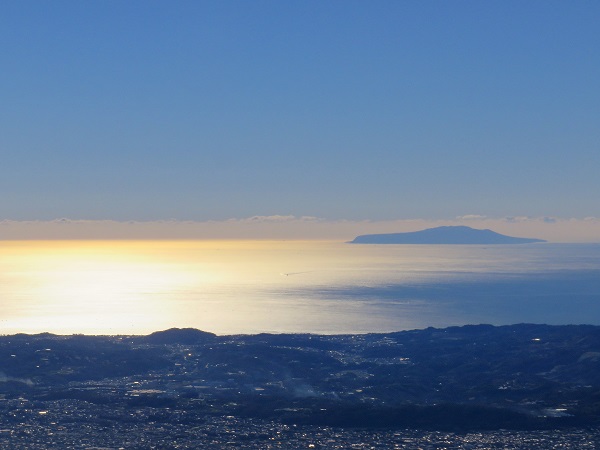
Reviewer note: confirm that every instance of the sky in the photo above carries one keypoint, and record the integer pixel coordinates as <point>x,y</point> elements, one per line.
<point>329,112</point>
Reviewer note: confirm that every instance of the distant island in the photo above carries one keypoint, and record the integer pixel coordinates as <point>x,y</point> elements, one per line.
<point>443,235</point>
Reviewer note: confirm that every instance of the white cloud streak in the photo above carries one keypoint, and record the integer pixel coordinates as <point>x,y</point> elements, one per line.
<point>276,227</point>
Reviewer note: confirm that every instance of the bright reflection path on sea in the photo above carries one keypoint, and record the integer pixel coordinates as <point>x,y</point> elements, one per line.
<point>141,286</point>
<point>227,287</point>
<point>87,287</point>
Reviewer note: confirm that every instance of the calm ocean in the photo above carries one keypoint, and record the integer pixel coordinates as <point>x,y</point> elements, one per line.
<point>231,287</point>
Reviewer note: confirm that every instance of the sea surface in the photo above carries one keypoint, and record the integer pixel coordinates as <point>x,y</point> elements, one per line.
<point>239,287</point>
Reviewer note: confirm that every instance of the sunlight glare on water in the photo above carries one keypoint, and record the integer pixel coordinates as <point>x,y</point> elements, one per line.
<point>135,287</point>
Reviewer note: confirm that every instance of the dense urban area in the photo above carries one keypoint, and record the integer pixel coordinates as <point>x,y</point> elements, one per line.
<point>520,386</point>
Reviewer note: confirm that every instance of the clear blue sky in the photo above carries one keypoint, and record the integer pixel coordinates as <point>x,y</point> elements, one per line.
<point>196,110</point>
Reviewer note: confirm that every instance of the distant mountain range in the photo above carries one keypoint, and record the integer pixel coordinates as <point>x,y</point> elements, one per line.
<point>443,235</point>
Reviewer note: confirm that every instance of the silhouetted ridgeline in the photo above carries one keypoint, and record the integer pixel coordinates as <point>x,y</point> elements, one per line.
<point>187,336</point>
<point>443,235</point>
<point>458,378</point>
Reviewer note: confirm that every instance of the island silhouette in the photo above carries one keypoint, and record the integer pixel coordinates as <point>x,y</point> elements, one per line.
<point>443,235</point>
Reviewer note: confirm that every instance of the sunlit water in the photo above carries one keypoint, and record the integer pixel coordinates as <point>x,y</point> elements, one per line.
<point>134,287</point>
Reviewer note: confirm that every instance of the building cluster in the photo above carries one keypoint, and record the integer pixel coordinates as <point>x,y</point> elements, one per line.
<point>77,424</point>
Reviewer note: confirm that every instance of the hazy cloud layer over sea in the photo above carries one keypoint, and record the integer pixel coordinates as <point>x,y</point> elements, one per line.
<point>552,229</point>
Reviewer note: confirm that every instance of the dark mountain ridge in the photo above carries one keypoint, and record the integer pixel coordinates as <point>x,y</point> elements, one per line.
<point>458,378</point>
